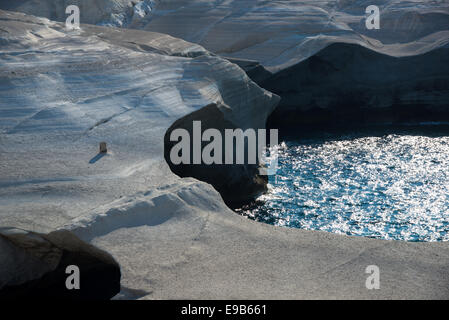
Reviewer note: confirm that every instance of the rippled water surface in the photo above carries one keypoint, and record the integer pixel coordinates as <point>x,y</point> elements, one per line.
<point>389,186</point>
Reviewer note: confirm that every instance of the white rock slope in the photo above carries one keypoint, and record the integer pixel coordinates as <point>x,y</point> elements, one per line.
<point>62,93</point>
<point>329,68</point>
<point>104,12</point>
<point>279,34</point>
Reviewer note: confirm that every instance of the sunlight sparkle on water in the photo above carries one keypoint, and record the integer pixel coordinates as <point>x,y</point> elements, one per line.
<point>390,187</point>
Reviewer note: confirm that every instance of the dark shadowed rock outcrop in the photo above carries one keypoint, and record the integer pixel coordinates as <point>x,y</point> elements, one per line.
<point>253,69</point>
<point>237,184</point>
<point>34,267</point>
<point>347,83</point>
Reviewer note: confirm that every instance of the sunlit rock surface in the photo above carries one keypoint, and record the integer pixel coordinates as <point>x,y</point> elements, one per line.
<point>328,67</point>
<point>279,34</point>
<point>63,93</point>
<point>103,12</point>
<point>67,92</point>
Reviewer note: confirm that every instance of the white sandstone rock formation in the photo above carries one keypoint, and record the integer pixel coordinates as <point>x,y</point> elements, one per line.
<point>307,45</point>
<point>329,68</point>
<point>279,34</point>
<point>63,92</point>
<point>118,13</point>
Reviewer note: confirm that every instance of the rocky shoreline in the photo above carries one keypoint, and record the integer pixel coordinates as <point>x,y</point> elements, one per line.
<point>174,237</point>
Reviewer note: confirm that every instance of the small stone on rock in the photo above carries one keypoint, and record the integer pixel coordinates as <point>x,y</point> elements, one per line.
<point>103,148</point>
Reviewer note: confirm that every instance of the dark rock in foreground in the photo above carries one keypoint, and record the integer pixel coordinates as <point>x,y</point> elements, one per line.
<point>34,267</point>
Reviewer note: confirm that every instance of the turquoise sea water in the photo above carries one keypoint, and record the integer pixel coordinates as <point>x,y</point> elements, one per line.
<point>380,184</point>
